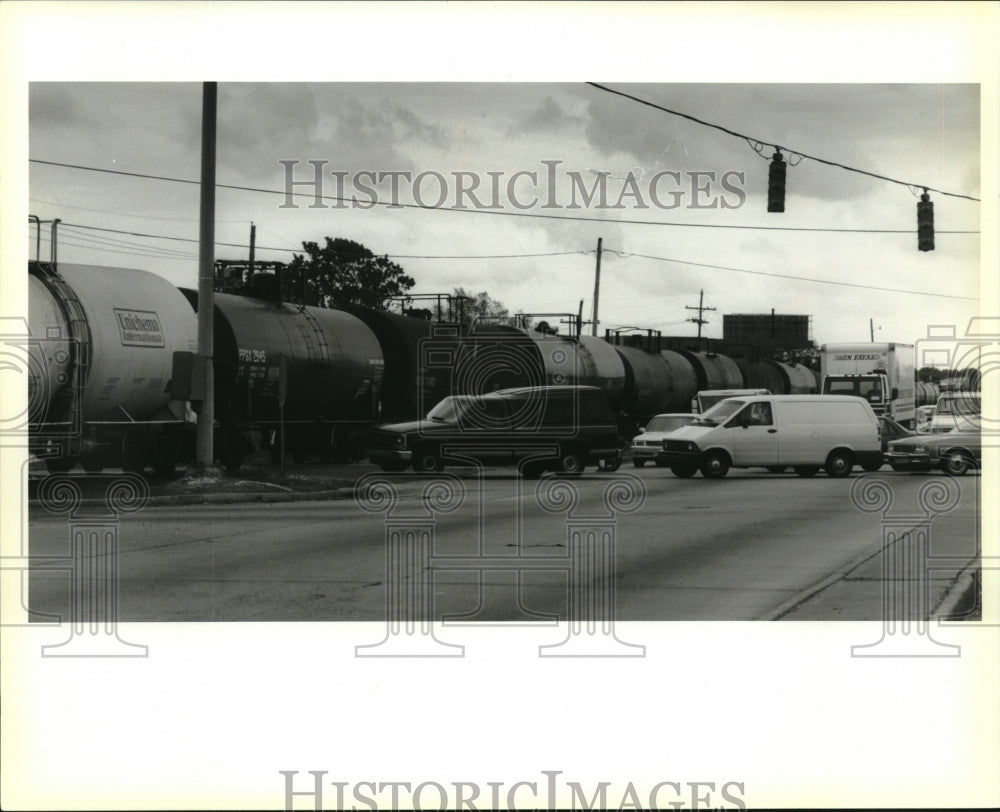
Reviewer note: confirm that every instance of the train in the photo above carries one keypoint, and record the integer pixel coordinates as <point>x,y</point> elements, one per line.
<point>113,353</point>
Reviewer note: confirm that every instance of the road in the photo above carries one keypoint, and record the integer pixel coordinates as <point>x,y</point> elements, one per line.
<point>654,547</point>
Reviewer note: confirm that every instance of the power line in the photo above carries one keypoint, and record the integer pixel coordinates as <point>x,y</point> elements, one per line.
<point>626,255</point>
<point>787,149</point>
<point>272,248</point>
<point>569,217</point>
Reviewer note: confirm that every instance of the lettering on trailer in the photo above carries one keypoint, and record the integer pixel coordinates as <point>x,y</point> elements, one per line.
<point>139,328</point>
<point>860,356</point>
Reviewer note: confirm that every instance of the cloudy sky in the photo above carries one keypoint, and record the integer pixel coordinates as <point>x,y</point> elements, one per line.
<point>696,208</point>
<point>893,89</point>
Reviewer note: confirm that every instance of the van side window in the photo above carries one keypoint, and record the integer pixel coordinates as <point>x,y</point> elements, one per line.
<point>754,414</point>
<point>559,411</point>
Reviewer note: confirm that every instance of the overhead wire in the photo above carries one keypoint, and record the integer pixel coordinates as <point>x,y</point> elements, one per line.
<point>726,130</point>
<point>564,217</point>
<point>626,255</point>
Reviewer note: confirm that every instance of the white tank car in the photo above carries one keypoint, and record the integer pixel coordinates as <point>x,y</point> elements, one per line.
<point>118,330</point>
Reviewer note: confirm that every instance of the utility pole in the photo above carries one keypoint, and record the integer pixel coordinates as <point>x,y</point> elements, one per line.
<point>253,242</point>
<point>597,286</point>
<point>871,329</point>
<point>205,454</point>
<point>700,308</point>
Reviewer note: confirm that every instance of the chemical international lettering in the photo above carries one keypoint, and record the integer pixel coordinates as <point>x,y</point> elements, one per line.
<point>139,328</point>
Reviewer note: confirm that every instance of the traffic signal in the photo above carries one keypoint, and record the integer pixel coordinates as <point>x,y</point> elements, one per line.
<point>776,183</point>
<point>925,223</point>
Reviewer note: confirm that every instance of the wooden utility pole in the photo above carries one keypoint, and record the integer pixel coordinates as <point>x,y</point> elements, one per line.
<point>597,286</point>
<point>700,308</point>
<point>205,456</point>
<point>253,243</point>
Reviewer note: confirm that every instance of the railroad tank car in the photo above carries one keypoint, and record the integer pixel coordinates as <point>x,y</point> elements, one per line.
<point>419,361</point>
<point>795,379</point>
<point>714,371</point>
<point>494,356</point>
<point>926,394</point>
<point>655,382</point>
<point>114,332</point>
<point>757,375</point>
<point>333,363</point>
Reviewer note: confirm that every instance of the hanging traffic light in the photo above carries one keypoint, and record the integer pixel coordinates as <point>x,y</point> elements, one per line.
<point>776,183</point>
<point>925,223</point>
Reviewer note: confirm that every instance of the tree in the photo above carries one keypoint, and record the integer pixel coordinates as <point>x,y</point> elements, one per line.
<point>468,306</point>
<point>344,272</point>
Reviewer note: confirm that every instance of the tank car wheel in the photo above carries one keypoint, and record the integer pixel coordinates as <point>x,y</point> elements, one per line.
<point>92,463</point>
<point>165,458</point>
<point>572,462</point>
<point>427,461</point>
<point>232,450</point>
<point>134,452</point>
<point>839,464</point>
<point>638,463</point>
<point>956,464</point>
<point>59,465</point>
<point>684,471</point>
<point>806,470</point>
<point>714,465</point>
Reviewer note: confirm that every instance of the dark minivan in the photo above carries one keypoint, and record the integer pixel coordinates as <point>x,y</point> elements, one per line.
<point>538,428</point>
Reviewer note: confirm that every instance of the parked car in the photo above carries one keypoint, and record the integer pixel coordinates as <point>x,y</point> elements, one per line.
<point>537,428</point>
<point>807,432</point>
<point>648,444</point>
<point>925,414</point>
<point>889,430</point>
<point>954,452</point>
<point>957,411</point>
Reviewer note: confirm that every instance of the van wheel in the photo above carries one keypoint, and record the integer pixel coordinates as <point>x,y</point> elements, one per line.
<point>427,461</point>
<point>714,465</point>
<point>684,471</point>
<point>839,463</point>
<point>956,464</point>
<point>532,470</point>
<point>871,466</point>
<point>806,470</point>
<point>571,462</point>
<point>611,463</point>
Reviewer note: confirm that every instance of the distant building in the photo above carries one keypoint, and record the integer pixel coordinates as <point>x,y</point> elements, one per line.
<point>767,330</point>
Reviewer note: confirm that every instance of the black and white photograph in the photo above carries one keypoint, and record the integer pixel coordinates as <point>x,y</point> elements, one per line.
<point>399,408</point>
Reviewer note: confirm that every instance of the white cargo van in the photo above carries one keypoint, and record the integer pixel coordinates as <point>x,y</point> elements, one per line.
<point>807,432</point>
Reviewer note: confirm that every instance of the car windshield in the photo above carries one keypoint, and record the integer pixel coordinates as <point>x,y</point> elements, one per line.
<point>671,422</point>
<point>962,405</point>
<point>451,409</point>
<point>720,412</point>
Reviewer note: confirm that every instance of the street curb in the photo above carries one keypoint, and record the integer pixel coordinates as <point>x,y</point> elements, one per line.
<point>259,497</point>
<point>962,598</point>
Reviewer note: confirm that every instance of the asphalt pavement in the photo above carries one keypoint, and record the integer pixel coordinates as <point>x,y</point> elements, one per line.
<point>837,597</point>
